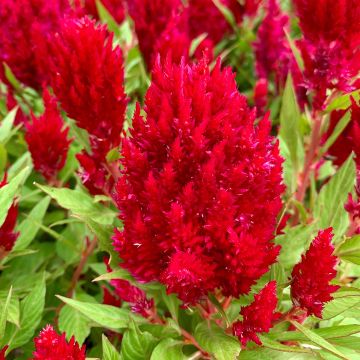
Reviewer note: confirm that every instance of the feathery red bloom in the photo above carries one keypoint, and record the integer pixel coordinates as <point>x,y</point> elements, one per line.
<point>2,352</point>
<point>196,155</point>
<point>25,28</point>
<point>7,234</point>
<point>51,346</point>
<point>258,316</point>
<point>114,7</point>
<point>88,80</point>
<point>261,95</point>
<point>308,290</point>
<point>47,139</point>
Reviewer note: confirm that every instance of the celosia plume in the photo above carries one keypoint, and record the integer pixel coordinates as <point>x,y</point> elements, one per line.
<point>7,234</point>
<point>258,317</point>
<point>198,154</point>
<point>311,290</point>
<point>88,80</point>
<point>25,29</point>
<point>51,346</point>
<point>47,139</point>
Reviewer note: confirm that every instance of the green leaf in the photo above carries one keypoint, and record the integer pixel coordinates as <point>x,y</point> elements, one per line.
<point>349,250</point>
<point>8,192</point>
<point>296,52</point>
<point>116,274</point>
<point>31,309</point>
<point>110,317</point>
<point>214,340</point>
<point>106,17</point>
<point>109,352</point>
<point>339,128</point>
<point>318,340</point>
<point>343,102</point>
<point>168,349</point>
<point>262,353</point>
<point>7,124</point>
<point>4,313</point>
<point>195,43</point>
<point>73,323</point>
<point>137,345</point>
<point>228,15</point>
<point>30,226</point>
<point>272,344</point>
<point>13,312</point>
<point>80,204</point>
<point>12,79</point>
<point>329,208</point>
<point>219,307</point>
<point>171,302</point>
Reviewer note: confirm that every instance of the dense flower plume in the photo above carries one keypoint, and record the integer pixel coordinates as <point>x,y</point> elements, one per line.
<point>25,30</point>
<point>330,47</point>
<point>8,235</point>
<point>258,316</point>
<point>88,80</point>
<point>47,139</point>
<point>196,154</point>
<point>308,291</point>
<point>51,346</point>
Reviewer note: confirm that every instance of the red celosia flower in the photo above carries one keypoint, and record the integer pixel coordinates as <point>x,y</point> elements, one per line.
<point>25,27</point>
<point>47,140</point>
<point>261,95</point>
<point>88,80</point>
<point>114,7</point>
<point>258,316</point>
<point>311,290</point>
<point>273,54</point>
<point>330,47</point>
<point>196,155</point>
<point>109,298</point>
<point>7,234</point>
<point>2,352</point>
<point>51,346</point>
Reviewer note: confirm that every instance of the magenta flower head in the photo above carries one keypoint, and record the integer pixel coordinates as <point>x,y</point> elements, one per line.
<point>308,291</point>
<point>201,185</point>
<point>25,28</point>
<point>51,346</point>
<point>88,80</point>
<point>258,316</point>
<point>47,139</point>
<point>7,234</point>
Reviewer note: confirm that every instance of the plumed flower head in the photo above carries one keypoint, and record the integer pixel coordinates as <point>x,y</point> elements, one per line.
<point>51,346</point>
<point>47,139</point>
<point>258,316</point>
<point>25,26</point>
<point>201,185</point>
<point>7,234</point>
<point>88,80</point>
<point>2,352</point>
<point>311,290</point>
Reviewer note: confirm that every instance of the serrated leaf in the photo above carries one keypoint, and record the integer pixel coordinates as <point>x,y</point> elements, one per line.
<point>8,192</point>
<point>137,345</point>
<point>168,349</point>
<point>4,313</point>
<point>7,124</point>
<point>109,352</point>
<point>329,208</point>
<point>80,204</point>
<point>30,226</point>
<point>110,317</point>
<point>320,341</point>
<point>73,323</point>
<point>349,250</point>
<point>214,340</point>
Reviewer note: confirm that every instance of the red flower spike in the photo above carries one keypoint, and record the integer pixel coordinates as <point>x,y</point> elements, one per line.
<point>88,80</point>
<point>51,346</point>
<point>308,291</point>
<point>7,234</point>
<point>198,154</point>
<point>47,139</point>
<point>258,317</point>
<point>29,24</point>
<point>2,352</point>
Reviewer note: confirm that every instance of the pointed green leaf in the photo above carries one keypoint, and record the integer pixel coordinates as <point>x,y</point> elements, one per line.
<point>168,349</point>
<point>109,352</point>
<point>4,313</point>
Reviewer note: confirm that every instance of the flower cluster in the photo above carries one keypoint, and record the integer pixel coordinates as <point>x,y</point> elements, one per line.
<point>51,346</point>
<point>258,317</point>
<point>7,234</point>
<point>47,139</point>
<point>308,291</point>
<point>198,154</point>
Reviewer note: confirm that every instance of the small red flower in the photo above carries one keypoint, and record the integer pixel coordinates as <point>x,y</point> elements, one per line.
<point>47,139</point>
<point>310,287</point>
<point>2,352</point>
<point>7,234</point>
<point>258,317</point>
<point>51,346</point>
